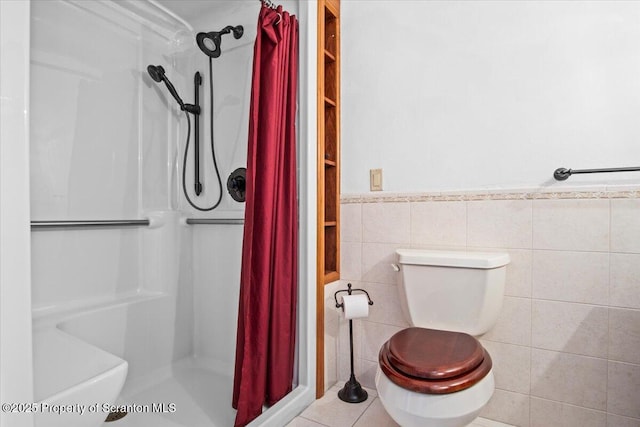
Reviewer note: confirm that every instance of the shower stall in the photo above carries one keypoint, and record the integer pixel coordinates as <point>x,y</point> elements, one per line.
<point>124,272</point>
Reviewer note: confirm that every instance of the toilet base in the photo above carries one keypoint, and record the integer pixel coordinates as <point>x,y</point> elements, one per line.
<point>411,409</point>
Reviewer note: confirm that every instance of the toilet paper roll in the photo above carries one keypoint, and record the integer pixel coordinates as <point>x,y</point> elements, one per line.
<point>355,306</point>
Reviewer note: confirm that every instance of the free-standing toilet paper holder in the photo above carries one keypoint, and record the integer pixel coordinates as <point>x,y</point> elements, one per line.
<point>352,392</point>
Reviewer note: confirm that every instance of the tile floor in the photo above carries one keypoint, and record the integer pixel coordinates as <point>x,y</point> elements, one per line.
<point>329,411</point>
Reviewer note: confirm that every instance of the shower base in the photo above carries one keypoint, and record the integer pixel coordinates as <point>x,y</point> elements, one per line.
<point>192,392</point>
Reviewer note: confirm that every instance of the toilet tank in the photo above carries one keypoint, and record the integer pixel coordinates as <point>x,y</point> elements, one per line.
<point>458,291</point>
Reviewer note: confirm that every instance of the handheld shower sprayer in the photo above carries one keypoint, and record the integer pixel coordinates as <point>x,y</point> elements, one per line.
<point>157,74</point>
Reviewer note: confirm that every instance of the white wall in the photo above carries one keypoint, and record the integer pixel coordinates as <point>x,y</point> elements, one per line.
<point>459,95</point>
<point>16,372</point>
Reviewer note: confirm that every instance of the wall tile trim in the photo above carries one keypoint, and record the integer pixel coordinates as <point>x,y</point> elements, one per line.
<point>515,194</point>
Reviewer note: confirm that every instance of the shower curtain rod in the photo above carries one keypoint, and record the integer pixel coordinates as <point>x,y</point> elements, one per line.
<point>268,3</point>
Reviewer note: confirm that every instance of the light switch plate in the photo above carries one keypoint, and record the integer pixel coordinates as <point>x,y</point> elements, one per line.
<point>375,179</point>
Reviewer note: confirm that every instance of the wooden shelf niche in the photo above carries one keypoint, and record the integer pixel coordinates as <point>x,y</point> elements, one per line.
<point>328,166</point>
<point>328,141</point>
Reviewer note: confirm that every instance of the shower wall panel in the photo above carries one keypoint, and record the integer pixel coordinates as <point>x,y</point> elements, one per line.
<point>99,147</point>
<point>216,277</point>
<point>85,115</point>
<point>231,95</point>
<point>217,250</point>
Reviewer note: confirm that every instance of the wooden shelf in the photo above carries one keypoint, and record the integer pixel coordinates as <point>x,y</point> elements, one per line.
<point>330,101</point>
<point>328,227</point>
<point>328,140</point>
<point>331,276</point>
<point>329,57</point>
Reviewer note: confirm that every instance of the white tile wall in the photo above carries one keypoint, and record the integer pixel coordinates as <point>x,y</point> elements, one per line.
<point>569,378</point>
<point>622,390</point>
<point>373,336</point>
<point>514,322</point>
<point>625,279</point>
<point>351,222</point>
<point>508,407</point>
<point>442,223</point>
<point>344,365</point>
<point>387,310</point>
<point>620,421</point>
<point>566,346</point>
<point>331,335</point>
<point>351,260</point>
<point>625,225</point>
<point>577,328</point>
<point>499,223</point>
<point>376,262</point>
<point>571,276</point>
<point>386,223</point>
<point>579,225</point>
<point>518,282</point>
<point>511,366</point>
<point>624,335</point>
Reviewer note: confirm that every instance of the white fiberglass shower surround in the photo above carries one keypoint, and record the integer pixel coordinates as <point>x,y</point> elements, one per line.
<point>106,143</point>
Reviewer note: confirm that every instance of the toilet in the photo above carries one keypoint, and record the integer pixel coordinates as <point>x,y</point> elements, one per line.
<point>436,373</point>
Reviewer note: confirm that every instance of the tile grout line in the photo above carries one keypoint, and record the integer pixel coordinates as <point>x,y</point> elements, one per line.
<point>466,225</point>
<point>313,421</point>
<point>609,276</point>
<point>363,412</point>
<point>530,415</point>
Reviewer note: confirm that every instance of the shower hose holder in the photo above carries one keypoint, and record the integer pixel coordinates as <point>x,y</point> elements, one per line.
<point>352,392</point>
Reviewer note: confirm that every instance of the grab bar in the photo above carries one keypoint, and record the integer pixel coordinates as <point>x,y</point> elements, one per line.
<point>562,174</point>
<point>90,223</point>
<point>194,221</point>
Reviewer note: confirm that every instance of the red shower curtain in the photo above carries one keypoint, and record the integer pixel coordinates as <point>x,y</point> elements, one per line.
<point>265,347</point>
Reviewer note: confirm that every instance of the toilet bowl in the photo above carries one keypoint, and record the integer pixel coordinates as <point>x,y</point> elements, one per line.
<point>428,377</point>
<point>436,373</point>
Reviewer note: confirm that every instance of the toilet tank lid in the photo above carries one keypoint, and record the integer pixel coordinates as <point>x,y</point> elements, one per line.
<point>444,258</point>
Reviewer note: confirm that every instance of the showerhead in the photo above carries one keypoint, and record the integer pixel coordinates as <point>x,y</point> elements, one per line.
<point>209,43</point>
<point>238,31</point>
<point>156,72</point>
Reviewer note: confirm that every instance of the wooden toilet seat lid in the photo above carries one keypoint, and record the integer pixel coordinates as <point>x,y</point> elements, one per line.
<point>432,361</point>
<point>434,354</point>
